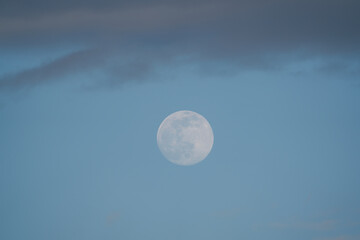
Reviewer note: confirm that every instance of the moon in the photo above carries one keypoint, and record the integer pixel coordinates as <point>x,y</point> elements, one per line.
<point>185,138</point>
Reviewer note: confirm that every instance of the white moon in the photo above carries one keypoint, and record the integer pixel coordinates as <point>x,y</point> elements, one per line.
<point>185,138</point>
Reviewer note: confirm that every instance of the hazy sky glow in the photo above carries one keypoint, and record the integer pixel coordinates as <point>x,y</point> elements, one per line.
<point>85,86</point>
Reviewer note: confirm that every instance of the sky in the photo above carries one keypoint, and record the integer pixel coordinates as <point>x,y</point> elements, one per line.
<point>84,86</point>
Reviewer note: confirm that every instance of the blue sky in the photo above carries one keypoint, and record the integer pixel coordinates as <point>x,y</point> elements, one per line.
<point>80,105</point>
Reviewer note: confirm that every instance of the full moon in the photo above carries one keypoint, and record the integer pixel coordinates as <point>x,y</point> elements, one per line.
<point>185,138</point>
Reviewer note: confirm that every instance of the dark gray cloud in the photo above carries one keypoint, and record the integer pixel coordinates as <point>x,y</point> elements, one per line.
<point>257,33</point>
<point>257,24</point>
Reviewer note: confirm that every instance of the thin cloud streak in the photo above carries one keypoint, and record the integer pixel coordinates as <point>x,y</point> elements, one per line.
<point>115,70</point>
<point>317,226</point>
<point>73,63</point>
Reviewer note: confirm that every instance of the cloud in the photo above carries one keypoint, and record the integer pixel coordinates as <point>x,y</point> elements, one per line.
<point>219,26</point>
<point>70,64</point>
<point>113,218</point>
<point>106,67</point>
<point>260,34</point>
<point>341,237</point>
<point>318,226</point>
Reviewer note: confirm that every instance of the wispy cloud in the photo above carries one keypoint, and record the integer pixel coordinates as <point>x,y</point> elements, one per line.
<point>73,63</point>
<point>341,237</point>
<point>318,226</point>
<point>85,62</point>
